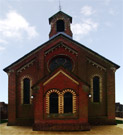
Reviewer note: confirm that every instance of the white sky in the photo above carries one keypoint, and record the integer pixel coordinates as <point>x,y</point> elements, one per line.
<point>98,24</point>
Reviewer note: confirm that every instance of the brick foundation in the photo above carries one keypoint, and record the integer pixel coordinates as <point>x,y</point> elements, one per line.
<point>61,127</point>
<point>101,121</point>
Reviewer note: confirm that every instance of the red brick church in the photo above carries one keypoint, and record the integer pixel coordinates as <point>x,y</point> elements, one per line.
<point>62,84</point>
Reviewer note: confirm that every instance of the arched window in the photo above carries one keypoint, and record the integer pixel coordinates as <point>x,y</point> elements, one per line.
<point>26,91</point>
<point>53,103</point>
<point>68,102</point>
<point>96,89</point>
<point>58,61</point>
<point>60,26</point>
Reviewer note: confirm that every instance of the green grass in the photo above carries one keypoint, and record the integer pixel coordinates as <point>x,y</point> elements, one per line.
<point>119,121</point>
<point>3,121</point>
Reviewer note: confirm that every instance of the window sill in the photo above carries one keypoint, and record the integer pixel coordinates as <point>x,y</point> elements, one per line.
<point>62,116</point>
<point>26,104</point>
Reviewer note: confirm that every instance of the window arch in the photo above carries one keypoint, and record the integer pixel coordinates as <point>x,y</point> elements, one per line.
<point>26,91</point>
<point>96,88</point>
<point>53,102</point>
<point>68,102</point>
<point>60,26</point>
<point>49,97</point>
<point>73,104</point>
<point>55,99</point>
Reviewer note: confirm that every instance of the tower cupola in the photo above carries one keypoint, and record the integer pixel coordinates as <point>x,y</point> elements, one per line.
<point>60,23</point>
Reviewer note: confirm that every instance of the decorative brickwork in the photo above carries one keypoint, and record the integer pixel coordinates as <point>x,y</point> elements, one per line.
<point>100,85</point>
<point>60,16</point>
<point>60,71</point>
<point>96,65</point>
<point>48,101</point>
<point>60,100</point>
<point>74,98</point>
<point>26,76</point>
<point>25,66</point>
<point>63,46</point>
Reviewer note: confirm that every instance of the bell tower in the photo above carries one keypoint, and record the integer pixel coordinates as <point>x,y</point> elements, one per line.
<point>60,23</point>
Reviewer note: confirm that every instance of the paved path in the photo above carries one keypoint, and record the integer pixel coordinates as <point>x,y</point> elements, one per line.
<point>118,118</point>
<point>95,130</point>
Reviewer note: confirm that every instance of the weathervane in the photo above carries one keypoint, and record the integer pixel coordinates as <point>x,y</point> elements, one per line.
<point>59,5</point>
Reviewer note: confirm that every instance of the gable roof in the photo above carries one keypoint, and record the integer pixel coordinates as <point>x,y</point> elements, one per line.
<point>46,79</point>
<point>58,35</point>
<point>60,12</point>
<point>56,74</point>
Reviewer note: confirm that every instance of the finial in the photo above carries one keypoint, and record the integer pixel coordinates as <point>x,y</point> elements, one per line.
<point>59,5</point>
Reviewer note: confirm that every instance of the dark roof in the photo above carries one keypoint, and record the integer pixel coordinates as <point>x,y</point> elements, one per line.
<point>69,38</point>
<point>60,12</point>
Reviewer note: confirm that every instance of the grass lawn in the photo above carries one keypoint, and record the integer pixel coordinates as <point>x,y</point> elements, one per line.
<point>3,121</point>
<point>119,121</point>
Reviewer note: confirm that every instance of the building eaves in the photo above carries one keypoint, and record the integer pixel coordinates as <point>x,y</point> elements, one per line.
<point>92,52</point>
<point>51,39</point>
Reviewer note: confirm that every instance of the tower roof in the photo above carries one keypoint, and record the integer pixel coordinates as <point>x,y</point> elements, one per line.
<point>60,12</point>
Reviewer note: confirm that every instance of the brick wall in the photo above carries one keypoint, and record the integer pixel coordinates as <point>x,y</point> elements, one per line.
<point>83,69</point>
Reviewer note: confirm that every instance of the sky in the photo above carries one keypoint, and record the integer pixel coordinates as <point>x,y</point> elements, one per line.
<point>97,24</point>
